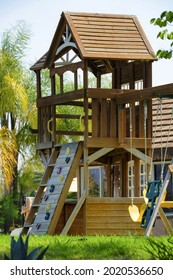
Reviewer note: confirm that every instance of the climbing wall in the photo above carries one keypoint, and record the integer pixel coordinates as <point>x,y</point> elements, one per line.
<point>53,190</point>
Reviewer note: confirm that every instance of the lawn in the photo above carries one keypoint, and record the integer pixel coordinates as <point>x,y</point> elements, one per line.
<point>95,247</point>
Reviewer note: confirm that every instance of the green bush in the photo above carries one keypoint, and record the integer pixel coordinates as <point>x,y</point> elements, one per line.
<point>9,213</point>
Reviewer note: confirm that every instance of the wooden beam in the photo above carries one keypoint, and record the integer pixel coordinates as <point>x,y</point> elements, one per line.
<point>137,177</point>
<point>144,94</point>
<point>69,67</point>
<point>103,93</point>
<point>101,142</point>
<point>165,221</point>
<point>67,132</point>
<point>62,98</point>
<point>70,116</point>
<point>139,155</point>
<point>74,214</point>
<point>98,154</point>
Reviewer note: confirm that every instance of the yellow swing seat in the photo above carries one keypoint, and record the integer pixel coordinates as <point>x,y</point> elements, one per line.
<point>135,213</point>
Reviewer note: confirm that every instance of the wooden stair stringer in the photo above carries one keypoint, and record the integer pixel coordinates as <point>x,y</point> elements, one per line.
<point>40,191</point>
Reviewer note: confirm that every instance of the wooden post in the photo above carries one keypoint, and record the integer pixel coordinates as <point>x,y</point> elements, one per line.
<point>147,82</point>
<point>141,120</point>
<point>124,176</point>
<point>38,77</point>
<point>61,84</point>
<point>121,123</point>
<point>117,82</point>
<point>136,179</point>
<point>86,171</point>
<point>98,79</point>
<point>53,113</point>
<point>108,173</point>
<point>75,80</point>
<point>114,77</point>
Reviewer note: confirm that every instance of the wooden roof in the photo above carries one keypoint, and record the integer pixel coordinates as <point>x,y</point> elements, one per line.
<point>109,36</point>
<point>101,36</point>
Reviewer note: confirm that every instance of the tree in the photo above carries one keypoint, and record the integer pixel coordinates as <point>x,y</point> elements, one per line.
<point>16,89</point>
<point>7,159</point>
<point>165,20</point>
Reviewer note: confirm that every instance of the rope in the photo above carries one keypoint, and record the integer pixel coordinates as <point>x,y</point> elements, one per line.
<point>145,137</point>
<point>168,135</point>
<point>154,140</point>
<point>161,116</point>
<point>131,157</point>
<point>163,158</point>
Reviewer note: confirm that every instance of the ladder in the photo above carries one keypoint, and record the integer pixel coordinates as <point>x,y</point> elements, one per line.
<point>53,189</point>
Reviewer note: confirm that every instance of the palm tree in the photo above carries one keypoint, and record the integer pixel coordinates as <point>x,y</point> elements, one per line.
<point>7,159</point>
<point>14,106</point>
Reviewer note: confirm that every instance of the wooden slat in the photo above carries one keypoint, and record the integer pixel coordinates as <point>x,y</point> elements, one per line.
<point>115,46</point>
<point>113,119</point>
<point>95,117</point>
<point>99,18</point>
<point>121,124</point>
<point>110,215</point>
<point>116,50</point>
<point>104,36</point>
<point>104,119</point>
<point>144,94</point>
<point>60,98</point>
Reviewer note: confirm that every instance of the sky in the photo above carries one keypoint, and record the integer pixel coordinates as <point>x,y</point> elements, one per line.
<point>42,17</point>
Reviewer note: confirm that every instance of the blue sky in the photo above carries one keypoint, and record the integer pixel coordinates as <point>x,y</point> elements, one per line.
<point>42,17</point>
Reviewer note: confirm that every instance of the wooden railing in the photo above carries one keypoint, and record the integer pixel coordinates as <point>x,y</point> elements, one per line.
<point>111,122</point>
<point>104,122</point>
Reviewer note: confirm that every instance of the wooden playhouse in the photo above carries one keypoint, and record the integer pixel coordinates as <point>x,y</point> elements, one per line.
<point>110,159</point>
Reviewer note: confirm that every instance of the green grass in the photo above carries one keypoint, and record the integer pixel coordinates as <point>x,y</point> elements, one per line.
<point>87,247</point>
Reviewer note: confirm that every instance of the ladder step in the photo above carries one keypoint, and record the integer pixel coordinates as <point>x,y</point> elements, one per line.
<point>43,185</point>
<point>35,205</point>
<point>27,225</point>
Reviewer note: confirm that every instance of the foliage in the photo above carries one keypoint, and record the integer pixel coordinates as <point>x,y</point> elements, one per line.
<point>30,175</point>
<point>8,213</point>
<point>19,250</point>
<point>13,97</point>
<point>7,159</point>
<point>94,187</point>
<point>165,19</point>
<point>99,247</point>
<point>17,99</point>
<point>160,249</point>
